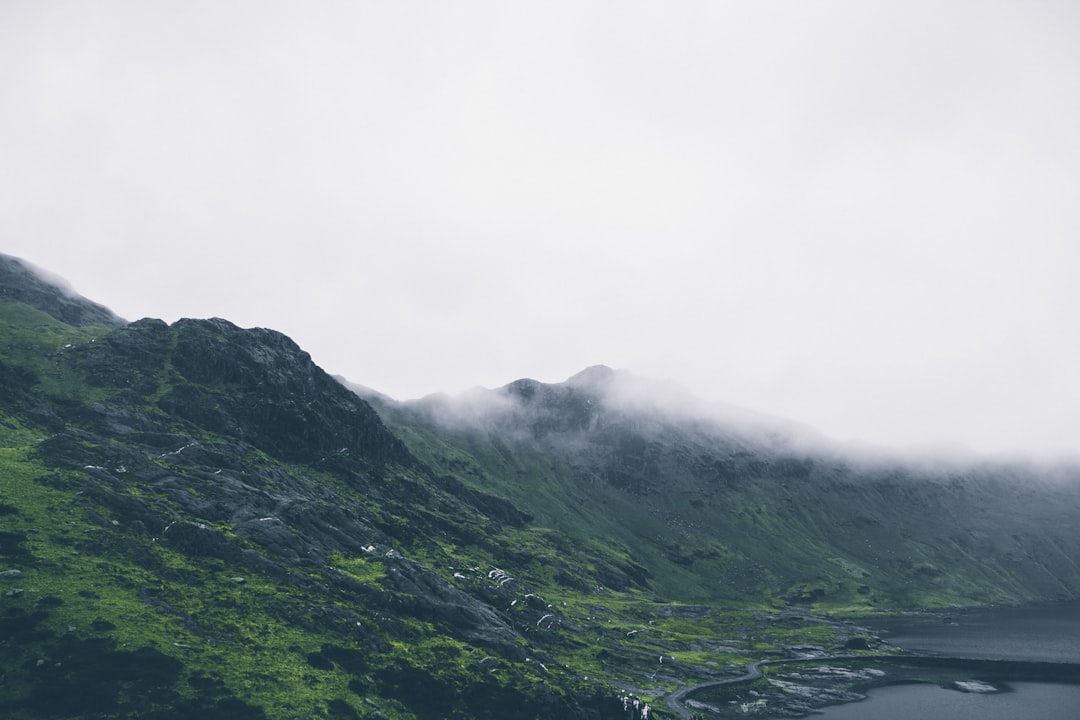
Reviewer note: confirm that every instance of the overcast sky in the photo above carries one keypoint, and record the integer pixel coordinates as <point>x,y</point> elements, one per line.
<point>864,216</point>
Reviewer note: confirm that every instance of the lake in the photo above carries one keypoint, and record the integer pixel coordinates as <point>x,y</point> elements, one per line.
<point>1038,634</point>
<point>1049,633</point>
<point>1044,701</point>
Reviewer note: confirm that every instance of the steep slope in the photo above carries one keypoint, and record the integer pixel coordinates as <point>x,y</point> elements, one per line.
<point>21,282</point>
<point>197,521</point>
<point>705,510</point>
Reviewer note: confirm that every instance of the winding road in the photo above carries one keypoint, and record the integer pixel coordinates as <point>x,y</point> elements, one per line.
<point>674,700</point>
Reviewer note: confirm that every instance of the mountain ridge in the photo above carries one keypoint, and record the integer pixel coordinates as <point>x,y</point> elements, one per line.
<point>23,282</point>
<point>678,472</point>
<point>198,520</point>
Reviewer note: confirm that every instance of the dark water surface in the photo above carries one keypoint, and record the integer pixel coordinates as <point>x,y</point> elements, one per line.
<point>1027,701</point>
<point>1039,634</point>
<point>1049,633</point>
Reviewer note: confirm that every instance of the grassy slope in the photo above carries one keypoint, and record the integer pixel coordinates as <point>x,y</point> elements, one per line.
<point>110,618</point>
<point>711,521</point>
<point>180,634</point>
<point>609,590</point>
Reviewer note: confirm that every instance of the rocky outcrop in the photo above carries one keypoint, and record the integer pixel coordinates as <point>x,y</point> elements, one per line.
<point>425,594</point>
<point>258,386</point>
<point>254,385</point>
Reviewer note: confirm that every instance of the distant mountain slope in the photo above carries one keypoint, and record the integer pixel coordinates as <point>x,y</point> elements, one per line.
<point>197,521</point>
<point>708,509</point>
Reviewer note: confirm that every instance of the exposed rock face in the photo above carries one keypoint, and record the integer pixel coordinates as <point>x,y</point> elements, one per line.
<point>254,385</point>
<point>271,394</point>
<point>21,282</point>
<point>427,595</point>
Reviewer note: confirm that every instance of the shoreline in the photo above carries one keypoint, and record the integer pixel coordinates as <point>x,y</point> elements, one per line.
<point>815,683</point>
<point>797,686</point>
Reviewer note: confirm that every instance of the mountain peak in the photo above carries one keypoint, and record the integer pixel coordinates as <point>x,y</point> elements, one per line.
<point>22,282</point>
<point>592,375</point>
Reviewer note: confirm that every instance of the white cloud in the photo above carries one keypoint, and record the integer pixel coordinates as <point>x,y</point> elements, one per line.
<point>857,214</point>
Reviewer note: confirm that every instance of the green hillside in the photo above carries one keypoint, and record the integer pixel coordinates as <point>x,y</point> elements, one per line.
<point>197,521</point>
<point>702,513</point>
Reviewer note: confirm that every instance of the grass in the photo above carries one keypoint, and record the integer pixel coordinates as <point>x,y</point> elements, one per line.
<point>243,637</point>
<point>640,588</point>
<point>38,344</point>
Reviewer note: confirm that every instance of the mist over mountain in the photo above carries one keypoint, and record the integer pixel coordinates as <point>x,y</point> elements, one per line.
<point>197,520</point>
<point>22,282</point>
<point>706,496</point>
